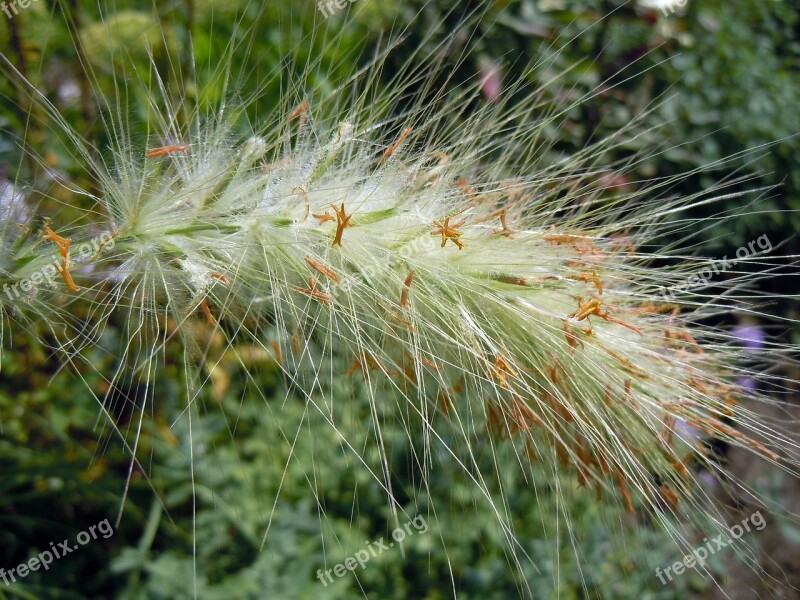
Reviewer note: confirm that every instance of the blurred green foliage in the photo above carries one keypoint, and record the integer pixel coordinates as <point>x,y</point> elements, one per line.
<point>241,455</point>
<point>730,85</point>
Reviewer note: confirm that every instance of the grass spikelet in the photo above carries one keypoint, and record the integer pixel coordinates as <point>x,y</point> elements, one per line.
<point>481,293</point>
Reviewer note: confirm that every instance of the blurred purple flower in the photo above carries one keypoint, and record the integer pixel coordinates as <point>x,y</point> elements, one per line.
<point>751,337</point>
<point>686,432</point>
<point>709,481</point>
<point>747,384</point>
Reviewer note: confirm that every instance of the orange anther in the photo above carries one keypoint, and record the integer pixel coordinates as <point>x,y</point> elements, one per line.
<point>318,266</point>
<point>430,363</point>
<point>629,395</point>
<point>581,243</point>
<point>313,291</point>
<point>166,150</point>
<point>680,465</point>
<point>326,216</point>
<point>466,188</point>
<point>300,111</point>
<point>393,148</point>
<point>449,232</point>
<point>503,214</point>
<point>495,421</point>
<point>445,396</point>
<point>506,230</point>
<point>502,370</point>
<point>342,221</point>
<point>623,488</point>
<point>406,288</point>
<point>710,425</point>
<point>658,308</point>
<point>296,342</point>
<point>278,352</point>
<point>63,248</point>
<point>563,455</point>
<point>207,311</point>
<point>670,497</point>
<point>589,278</point>
<point>667,430</point>
<point>593,307</point>
<point>221,277</point>
<point>367,362</point>
<point>523,415</point>
<point>445,402</point>
<point>513,280</point>
<point>563,238</point>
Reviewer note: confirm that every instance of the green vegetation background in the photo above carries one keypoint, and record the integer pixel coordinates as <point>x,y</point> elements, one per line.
<point>732,84</point>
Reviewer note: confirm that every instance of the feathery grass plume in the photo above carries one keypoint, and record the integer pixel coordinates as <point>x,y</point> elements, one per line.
<point>29,266</point>
<point>502,306</point>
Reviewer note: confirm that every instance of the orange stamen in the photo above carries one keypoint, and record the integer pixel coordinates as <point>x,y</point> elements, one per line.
<point>449,232</point>
<point>406,286</point>
<point>623,488</point>
<point>430,363</point>
<point>589,278</point>
<point>502,370</point>
<point>207,311</point>
<point>523,415</point>
<point>593,307</point>
<point>296,343</point>
<point>506,230</point>
<point>513,280</point>
<point>707,424</point>
<point>342,222</point>
<point>369,363</point>
<point>318,266</point>
<point>313,291</point>
<point>323,217</point>
<point>469,191</point>
<point>63,248</point>
<point>278,352</point>
<point>393,148</point>
<point>221,277</point>
<point>300,111</point>
<point>667,429</point>
<point>166,150</point>
<point>670,497</point>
